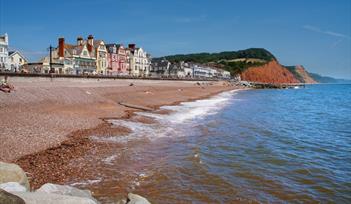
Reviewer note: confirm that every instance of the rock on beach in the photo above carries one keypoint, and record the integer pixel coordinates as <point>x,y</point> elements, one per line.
<point>51,198</point>
<point>65,190</point>
<point>13,173</point>
<point>136,199</point>
<point>8,198</point>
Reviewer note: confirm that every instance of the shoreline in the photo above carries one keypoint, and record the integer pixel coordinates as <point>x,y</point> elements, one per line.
<point>40,164</point>
<point>40,114</point>
<point>51,164</point>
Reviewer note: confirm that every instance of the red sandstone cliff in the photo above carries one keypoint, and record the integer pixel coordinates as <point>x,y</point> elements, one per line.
<point>304,76</point>
<point>271,72</point>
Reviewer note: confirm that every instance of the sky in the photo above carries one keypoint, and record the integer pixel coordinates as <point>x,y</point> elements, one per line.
<point>313,33</point>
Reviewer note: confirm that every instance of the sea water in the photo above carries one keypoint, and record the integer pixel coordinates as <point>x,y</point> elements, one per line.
<point>271,146</point>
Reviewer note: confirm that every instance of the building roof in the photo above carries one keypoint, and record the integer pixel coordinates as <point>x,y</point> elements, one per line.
<point>78,49</point>
<point>11,53</point>
<point>97,43</point>
<point>111,45</point>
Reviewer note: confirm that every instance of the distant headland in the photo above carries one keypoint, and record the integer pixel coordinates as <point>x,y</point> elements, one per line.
<point>254,64</point>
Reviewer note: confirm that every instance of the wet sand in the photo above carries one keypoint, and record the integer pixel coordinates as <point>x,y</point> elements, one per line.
<point>45,124</point>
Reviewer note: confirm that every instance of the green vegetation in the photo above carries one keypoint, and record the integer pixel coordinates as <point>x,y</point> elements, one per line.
<point>239,66</point>
<point>258,53</point>
<point>222,59</point>
<point>292,69</point>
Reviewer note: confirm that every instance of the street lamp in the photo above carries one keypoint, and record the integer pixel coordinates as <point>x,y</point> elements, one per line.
<point>52,70</point>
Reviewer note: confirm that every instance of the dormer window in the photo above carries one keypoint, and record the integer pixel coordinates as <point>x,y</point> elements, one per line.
<point>74,52</point>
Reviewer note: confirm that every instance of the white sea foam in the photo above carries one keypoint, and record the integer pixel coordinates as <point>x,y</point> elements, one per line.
<point>168,124</point>
<point>87,182</point>
<point>110,159</point>
<point>193,110</point>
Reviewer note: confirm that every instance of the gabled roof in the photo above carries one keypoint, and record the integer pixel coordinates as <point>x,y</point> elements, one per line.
<point>69,46</point>
<point>11,53</point>
<point>120,45</point>
<point>78,49</point>
<point>97,43</point>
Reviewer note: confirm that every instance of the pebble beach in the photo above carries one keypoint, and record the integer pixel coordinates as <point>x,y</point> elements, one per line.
<point>46,123</point>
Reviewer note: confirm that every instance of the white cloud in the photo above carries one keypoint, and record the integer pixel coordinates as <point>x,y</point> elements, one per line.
<point>326,32</point>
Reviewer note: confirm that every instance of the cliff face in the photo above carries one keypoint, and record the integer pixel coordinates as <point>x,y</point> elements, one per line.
<point>304,76</point>
<point>271,72</point>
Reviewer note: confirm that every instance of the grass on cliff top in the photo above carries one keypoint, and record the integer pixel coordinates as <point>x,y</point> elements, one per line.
<point>233,61</point>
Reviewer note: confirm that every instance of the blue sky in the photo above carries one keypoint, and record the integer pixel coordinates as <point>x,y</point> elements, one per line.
<point>314,33</point>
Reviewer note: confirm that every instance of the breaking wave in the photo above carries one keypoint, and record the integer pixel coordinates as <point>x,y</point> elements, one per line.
<point>167,125</point>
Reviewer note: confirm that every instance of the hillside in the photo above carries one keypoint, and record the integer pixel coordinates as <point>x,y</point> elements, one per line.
<point>331,80</point>
<point>256,53</point>
<point>233,61</point>
<point>254,64</point>
<point>301,74</point>
<point>271,72</point>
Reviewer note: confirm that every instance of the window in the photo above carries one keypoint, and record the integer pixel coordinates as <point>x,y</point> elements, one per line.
<point>85,53</point>
<point>1,49</point>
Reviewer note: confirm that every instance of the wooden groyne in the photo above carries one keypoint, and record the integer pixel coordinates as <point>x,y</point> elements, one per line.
<point>129,105</point>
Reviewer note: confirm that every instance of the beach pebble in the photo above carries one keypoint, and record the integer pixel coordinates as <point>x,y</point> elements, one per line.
<point>137,199</point>
<point>12,187</point>
<point>13,173</point>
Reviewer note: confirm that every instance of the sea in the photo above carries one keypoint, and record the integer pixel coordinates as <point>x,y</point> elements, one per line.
<point>241,146</point>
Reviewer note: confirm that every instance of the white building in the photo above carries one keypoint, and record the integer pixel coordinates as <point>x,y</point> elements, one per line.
<point>226,74</point>
<point>159,68</point>
<point>188,70</point>
<point>16,60</point>
<point>176,70</point>
<point>139,61</point>
<point>4,55</point>
<point>200,71</point>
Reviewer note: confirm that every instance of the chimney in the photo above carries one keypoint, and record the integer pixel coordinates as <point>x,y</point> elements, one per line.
<point>90,43</point>
<point>61,42</point>
<point>131,46</point>
<point>80,40</point>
